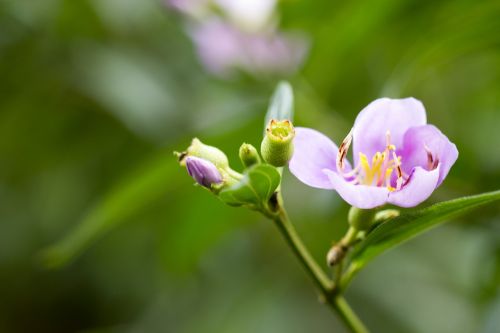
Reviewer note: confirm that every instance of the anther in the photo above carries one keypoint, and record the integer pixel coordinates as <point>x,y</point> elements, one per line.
<point>399,181</point>
<point>431,162</point>
<point>397,161</point>
<point>344,147</point>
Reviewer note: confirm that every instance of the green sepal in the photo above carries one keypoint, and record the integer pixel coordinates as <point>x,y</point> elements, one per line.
<point>255,190</point>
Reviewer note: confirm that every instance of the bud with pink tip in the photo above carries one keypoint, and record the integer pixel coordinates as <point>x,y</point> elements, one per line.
<point>204,172</point>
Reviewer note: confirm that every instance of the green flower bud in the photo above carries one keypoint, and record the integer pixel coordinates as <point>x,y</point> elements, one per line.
<point>361,219</point>
<point>249,155</point>
<point>209,153</point>
<point>209,166</point>
<point>277,146</point>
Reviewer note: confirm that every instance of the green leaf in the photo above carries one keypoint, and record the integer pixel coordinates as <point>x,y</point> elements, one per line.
<point>255,189</point>
<point>281,105</point>
<point>410,225</point>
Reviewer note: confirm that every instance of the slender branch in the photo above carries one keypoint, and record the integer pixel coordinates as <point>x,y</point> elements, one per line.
<point>321,280</point>
<point>337,276</point>
<point>329,293</point>
<point>347,277</point>
<point>350,319</point>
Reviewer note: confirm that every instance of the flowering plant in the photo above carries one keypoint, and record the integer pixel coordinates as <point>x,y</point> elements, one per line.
<point>398,159</point>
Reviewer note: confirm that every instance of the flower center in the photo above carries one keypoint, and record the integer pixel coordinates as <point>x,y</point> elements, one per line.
<point>378,172</point>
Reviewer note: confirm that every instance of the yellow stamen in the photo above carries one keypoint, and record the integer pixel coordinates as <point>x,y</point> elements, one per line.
<point>377,166</point>
<point>379,170</point>
<point>388,173</point>
<point>363,160</point>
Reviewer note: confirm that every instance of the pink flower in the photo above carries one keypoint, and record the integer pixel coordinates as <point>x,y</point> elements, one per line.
<point>398,158</point>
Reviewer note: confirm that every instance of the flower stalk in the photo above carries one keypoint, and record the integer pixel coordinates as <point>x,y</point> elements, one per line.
<point>330,291</point>
<point>286,228</point>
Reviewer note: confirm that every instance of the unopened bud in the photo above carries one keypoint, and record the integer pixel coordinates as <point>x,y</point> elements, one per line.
<point>277,146</point>
<point>204,172</point>
<point>336,254</point>
<point>209,153</point>
<point>249,155</point>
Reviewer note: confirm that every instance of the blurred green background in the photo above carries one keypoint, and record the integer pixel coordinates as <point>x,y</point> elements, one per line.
<point>97,94</point>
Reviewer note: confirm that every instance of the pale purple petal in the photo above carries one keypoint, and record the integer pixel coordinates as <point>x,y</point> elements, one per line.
<point>381,115</point>
<point>204,172</point>
<point>361,196</point>
<point>273,52</point>
<point>418,188</point>
<point>313,152</point>
<point>222,48</point>
<point>414,152</point>
<point>218,46</point>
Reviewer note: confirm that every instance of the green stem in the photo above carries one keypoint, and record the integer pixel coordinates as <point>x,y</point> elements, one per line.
<point>288,231</point>
<point>337,274</point>
<point>350,236</point>
<point>350,319</point>
<point>322,281</point>
<point>347,277</point>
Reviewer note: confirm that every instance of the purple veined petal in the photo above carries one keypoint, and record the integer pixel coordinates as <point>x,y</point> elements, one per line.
<point>381,115</point>
<point>313,152</point>
<point>204,172</point>
<point>414,153</point>
<point>360,196</point>
<point>419,187</point>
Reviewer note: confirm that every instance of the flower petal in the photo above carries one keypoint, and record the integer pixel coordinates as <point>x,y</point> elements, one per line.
<point>380,116</point>
<point>419,187</point>
<point>313,152</point>
<point>204,172</point>
<point>361,196</point>
<point>414,152</point>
